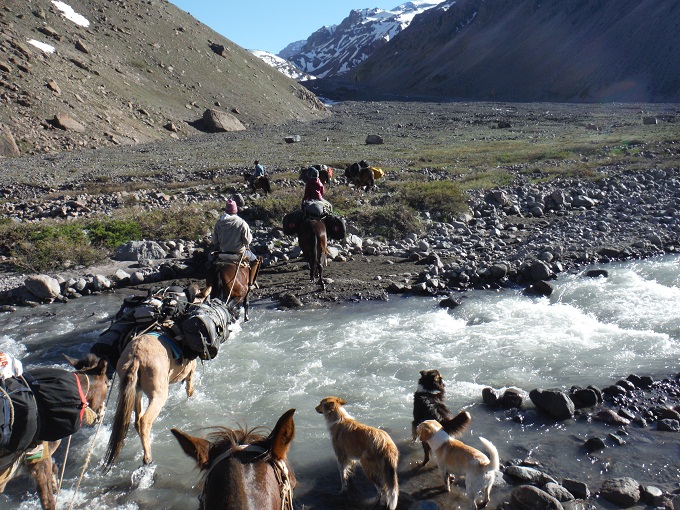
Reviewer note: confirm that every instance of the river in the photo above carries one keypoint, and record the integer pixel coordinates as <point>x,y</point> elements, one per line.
<point>590,331</point>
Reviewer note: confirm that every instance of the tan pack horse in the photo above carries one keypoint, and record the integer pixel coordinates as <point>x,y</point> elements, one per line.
<point>91,375</point>
<point>147,366</point>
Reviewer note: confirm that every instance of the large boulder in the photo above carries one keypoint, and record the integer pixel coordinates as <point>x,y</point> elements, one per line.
<point>216,121</point>
<point>43,286</point>
<point>8,147</point>
<point>555,403</point>
<point>139,250</point>
<point>63,121</point>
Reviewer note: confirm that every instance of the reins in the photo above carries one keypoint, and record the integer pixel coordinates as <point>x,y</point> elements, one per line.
<point>279,466</point>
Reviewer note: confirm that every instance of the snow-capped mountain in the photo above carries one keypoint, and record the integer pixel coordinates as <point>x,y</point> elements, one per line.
<point>282,65</point>
<point>336,49</point>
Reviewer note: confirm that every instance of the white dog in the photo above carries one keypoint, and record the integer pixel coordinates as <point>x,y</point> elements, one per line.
<point>456,458</point>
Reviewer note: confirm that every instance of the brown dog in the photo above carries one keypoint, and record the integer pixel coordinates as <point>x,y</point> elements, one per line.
<point>456,458</point>
<point>372,448</point>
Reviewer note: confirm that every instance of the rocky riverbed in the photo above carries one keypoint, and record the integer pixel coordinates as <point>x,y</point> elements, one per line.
<point>521,234</point>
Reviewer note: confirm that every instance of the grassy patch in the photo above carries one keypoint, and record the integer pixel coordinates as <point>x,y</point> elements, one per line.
<point>48,246</point>
<point>445,198</point>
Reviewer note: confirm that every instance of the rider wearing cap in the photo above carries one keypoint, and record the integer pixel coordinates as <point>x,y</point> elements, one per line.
<point>232,238</point>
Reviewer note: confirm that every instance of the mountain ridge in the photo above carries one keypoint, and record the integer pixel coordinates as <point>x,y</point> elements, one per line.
<point>553,50</point>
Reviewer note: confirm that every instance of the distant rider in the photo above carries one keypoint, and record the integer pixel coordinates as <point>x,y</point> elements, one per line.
<point>258,172</point>
<point>314,191</point>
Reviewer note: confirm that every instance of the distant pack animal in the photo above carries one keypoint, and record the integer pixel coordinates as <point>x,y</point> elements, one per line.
<point>244,470</point>
<point>372,448</point>
<point>261,183</point>
<point>428,404</point>
<point>360,175</point>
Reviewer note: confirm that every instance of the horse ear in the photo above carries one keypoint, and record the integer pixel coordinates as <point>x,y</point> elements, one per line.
<point>101,366</point>
<point>283,434</point>
<point>195,447</point>
<point>72,361</point>
<point>342,401</point>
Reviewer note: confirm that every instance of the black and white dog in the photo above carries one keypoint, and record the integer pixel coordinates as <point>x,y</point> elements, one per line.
<point>428,404</point>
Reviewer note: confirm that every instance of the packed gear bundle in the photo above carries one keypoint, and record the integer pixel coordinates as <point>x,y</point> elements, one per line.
<point>196,330</point>
<point>45,404</point>
<point>335,225</point>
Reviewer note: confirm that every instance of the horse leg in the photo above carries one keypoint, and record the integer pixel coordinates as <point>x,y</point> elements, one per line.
<point>157,400</point>
<point>190,380</point>
<point>42,471</point>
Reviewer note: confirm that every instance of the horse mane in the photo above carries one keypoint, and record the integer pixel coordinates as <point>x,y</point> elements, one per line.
<point>224,438</point>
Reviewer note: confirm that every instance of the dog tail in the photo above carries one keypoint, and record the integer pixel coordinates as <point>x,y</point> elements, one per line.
<point>457,425</point>
<point>392,492</point>
<point>494,463</point>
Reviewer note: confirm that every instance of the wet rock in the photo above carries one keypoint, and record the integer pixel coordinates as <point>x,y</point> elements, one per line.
<point>585,397</point>
<point>624,492</point>
<point>512,398</point>
<point>528,497</point>
<point>597,273</point>
<point>541,288</point>
<point>594,444</point>
<point>668,425</point>
<point>555,403</point>
<point>610,418</point>
<point>558,492</point>
<point>289,300</point>
<point>578,489</point>
<point>491,396</point>
<point>530,475</point>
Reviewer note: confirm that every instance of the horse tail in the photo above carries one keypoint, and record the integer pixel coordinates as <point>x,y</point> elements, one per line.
<point>127,391</point>
<point>267,185</point>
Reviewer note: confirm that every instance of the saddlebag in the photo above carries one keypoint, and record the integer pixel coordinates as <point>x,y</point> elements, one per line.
<point>18,415</point>
<point>204,328</point>
<point>60,406</point>
<point>335,227</point>
<point>292,222</point>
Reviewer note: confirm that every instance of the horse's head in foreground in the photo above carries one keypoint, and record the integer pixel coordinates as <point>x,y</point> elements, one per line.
<point>243,469</point>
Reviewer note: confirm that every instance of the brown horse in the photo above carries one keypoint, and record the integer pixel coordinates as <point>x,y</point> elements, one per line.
<point>37,458</point>
<point>231,282</point>
<point>244,470</point>
<point>261,182</point>
<point>361,175</point>
<point>313,242</point>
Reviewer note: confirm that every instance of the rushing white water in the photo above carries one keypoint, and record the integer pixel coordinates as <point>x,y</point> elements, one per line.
<point>590,331</point>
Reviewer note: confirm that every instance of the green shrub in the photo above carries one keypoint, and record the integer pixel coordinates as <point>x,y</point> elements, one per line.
<point>443,197</point>
<point>48,246</point>
<point>391,222</point>
<point>113,232</point>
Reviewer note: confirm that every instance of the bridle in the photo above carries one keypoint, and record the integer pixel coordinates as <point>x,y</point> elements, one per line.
<point>280,472</point>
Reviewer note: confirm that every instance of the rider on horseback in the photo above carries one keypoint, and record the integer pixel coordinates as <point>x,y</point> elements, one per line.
<point>231,238</point>
<point>313,202</point>
<point>258,172</point>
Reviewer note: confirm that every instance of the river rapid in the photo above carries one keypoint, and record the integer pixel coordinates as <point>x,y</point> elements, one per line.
<point>590,331</point>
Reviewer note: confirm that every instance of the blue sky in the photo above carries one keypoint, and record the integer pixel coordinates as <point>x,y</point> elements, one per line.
<point>271,25</point>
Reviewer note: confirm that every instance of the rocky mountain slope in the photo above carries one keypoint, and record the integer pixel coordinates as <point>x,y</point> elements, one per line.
<point>525,50</point>
<point>91,73</point>
<point>336,49</point>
